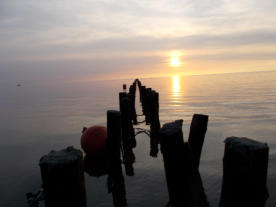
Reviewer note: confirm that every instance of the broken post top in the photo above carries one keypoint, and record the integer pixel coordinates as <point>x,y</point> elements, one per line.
<point>114,114</point>
<point>243,142</point>
<point>201,116</point>
<point>171,136</point>
<point>171,128</point>
<point>201,119</point>
<point>65,156</point>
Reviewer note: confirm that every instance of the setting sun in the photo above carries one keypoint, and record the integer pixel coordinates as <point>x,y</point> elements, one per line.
<point>175,62</point>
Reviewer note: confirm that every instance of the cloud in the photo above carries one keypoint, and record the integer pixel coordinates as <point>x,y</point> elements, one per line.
<point>85,34</point>
<point>134,44</point>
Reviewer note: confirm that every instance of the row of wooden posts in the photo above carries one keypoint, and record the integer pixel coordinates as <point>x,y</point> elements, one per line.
<point>245,161</point>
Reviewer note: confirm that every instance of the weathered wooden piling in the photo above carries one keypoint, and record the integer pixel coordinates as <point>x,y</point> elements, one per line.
<point>198,130</point>
<point>183,179</point>
<point>116,183</point>
<point>154,108</point>
<point>245,166</point>
<point>121,96</point>
<point>147,105</point>
<point>142,97</point>
<point>62,175</point>
<point>155,124</point>
<point>127,126</point>
<point>131,95</point>
<point>128,136</point>
<point>124,87</point>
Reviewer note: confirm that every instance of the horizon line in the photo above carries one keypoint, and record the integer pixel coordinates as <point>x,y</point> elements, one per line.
<point>181,75</point>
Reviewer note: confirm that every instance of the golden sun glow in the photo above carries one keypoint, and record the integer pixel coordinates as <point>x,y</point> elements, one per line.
<point>175,62</point>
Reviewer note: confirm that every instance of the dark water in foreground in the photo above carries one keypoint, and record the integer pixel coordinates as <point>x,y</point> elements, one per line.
<point>39,117</point>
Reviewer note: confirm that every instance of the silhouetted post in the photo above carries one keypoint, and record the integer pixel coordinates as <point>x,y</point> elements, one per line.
<point>121,96</point>
<point>131,114</point>
<point>62,175</point>
<point>245,165</point>
<point>145,102</point>
<point>197,134</point>
<point>128,136</point>
<point>142,96</point>
<point>127,126</point>
<point>116,183</point>
<point>138,82</point>
<point>155,124</point>
<point>183,179</point>
<point>131,96</point>
<point>124,87</point>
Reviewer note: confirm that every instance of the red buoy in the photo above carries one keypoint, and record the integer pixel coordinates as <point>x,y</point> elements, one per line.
<point>93,140</point>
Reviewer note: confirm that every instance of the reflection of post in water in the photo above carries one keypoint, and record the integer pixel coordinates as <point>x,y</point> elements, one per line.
<point>96,166</point>
<point>115,182</point>
<point>176,86</point>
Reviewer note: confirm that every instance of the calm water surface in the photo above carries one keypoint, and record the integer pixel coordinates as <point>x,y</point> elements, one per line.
<point>40,116</point>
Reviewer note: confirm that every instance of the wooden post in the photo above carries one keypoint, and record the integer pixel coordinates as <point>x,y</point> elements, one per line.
<point>138,82</point>
<point>124,87</point>
<point>245,165</point>
<point>147,105</point>
<point>155,124</point>
<point>62,175</point>
<point>121,96</point>
<point>142,96</point>
<point>128,136</point>
<point>197,134</point>
<point>183,179</point>
<point>133,114</point>
<point>116,183</point>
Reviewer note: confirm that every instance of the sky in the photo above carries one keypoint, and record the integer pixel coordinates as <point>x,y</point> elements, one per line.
<point>109,39</point>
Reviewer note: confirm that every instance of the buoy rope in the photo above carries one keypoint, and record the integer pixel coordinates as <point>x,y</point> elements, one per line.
<point>141,130</point>
<point>34,199</point>
<point>141,122</point>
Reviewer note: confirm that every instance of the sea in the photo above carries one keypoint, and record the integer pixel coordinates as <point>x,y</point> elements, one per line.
<point>40,116</point>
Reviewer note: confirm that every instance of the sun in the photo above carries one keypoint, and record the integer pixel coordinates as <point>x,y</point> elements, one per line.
<point>175,62</point>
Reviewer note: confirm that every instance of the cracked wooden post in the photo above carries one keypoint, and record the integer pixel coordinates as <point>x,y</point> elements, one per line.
<point>116,182</point>
<point>62,175</point>
<point>197,134</point>
<point>183,179</point>
<point>245,166</point>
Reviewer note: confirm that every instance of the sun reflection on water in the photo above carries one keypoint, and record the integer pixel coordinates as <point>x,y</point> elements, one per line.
<point>176,94</point>
<point>175,86</point>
